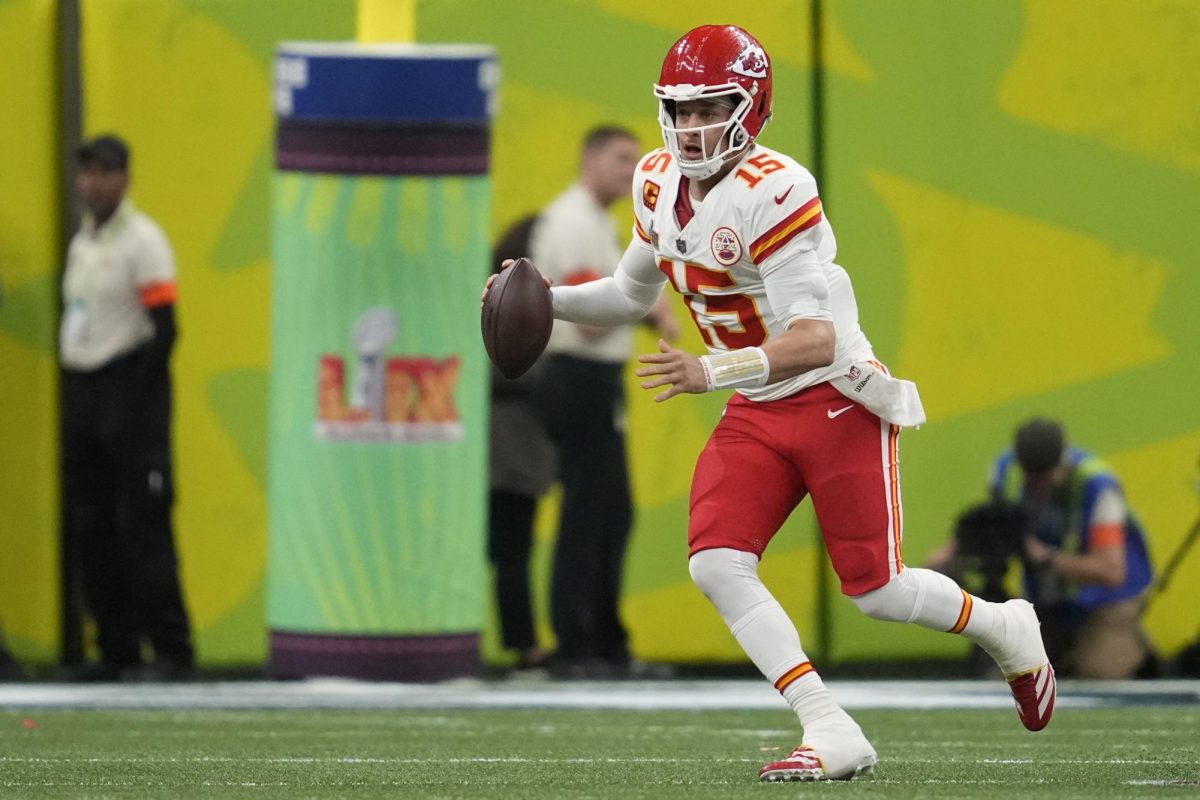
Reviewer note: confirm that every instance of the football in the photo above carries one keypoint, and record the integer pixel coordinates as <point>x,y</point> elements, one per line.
<point>517,318</point>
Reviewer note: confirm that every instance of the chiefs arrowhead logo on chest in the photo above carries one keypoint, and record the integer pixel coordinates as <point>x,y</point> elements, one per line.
<point>726,247</point>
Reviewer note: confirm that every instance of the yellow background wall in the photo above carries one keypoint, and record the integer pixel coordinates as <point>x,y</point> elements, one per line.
<point>556,85</point>
<point>188,82</point>
<point>29,600</point>
<point>1012,185</point>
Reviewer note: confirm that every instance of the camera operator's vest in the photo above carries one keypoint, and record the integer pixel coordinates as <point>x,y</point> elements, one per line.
<point>1089,478</point>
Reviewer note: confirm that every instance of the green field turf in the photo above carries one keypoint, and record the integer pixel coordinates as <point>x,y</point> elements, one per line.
<point>1134,752</point>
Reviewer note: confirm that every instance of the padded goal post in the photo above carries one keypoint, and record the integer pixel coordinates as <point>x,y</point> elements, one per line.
<point>378,397</point>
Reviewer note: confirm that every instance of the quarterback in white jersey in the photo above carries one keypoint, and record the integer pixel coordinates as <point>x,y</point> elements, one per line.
<point>739,230</point>
<point>752,258</point>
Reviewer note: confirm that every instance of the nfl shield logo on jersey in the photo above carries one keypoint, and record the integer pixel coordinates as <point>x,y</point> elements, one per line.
<point>726,248</point>
<point>681,245</point>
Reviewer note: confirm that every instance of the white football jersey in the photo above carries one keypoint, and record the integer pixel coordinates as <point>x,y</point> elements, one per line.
<point>752,258</point>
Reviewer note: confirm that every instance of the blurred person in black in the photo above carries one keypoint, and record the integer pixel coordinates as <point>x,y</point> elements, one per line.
<point>576,241</point>
<point>10,668</point>
<point>117,333</point>
<point>520,470</point>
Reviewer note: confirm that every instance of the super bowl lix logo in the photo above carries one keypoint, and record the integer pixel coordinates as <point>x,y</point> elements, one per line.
<point>726,248</point>
<point>393,398</point>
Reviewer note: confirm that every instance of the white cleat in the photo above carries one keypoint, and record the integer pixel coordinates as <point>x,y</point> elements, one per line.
<point>1022,659</point>
<point>831,752</point>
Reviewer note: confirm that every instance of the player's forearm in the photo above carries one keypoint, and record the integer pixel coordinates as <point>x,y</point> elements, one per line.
<point>1104,567</point>
<point>594,303</point>
<point>807,344</point>
<point>619,300</point>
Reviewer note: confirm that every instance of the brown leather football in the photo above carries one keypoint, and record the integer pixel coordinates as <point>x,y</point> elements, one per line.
<point>517,318</point>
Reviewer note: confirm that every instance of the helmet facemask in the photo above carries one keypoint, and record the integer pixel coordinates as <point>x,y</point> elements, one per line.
<point>734,138</point>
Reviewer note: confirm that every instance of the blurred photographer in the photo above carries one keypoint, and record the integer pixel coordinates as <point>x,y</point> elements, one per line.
<point>1063,513</point>
<point>987,538</point>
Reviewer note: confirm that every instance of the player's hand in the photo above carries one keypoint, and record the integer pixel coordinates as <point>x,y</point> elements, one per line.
<point>678,369</point>
<point>505,264</point>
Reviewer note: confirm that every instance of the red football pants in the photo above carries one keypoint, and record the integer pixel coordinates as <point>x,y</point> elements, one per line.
<point>764,458</point>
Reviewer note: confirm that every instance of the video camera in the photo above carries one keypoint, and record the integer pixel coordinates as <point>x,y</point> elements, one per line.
<point>988,537</point>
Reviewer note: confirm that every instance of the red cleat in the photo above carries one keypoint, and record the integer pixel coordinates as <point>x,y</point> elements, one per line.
<point>1022,658</point>
<point>847,754</point>
<point>801,764</point>
<point>1034,694</point>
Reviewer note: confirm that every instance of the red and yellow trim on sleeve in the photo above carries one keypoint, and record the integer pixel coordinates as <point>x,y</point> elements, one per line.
<point>792,674</point>
<point>964,616</point>
<point>156,295</point>
<point>792,225</point>
<point>641,232</point>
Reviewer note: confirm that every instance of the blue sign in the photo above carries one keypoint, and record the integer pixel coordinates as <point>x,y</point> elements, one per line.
<point>347,82</point>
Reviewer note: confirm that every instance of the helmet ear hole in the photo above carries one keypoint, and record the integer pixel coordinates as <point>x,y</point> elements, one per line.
<point>669,107</point>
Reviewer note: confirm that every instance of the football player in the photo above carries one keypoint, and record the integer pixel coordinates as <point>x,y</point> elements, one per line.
<point>739,230</point>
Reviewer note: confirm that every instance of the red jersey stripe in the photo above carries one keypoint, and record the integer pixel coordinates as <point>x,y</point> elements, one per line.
<point>791,226</point>
<point>894,491</point>
<point>641,232</point>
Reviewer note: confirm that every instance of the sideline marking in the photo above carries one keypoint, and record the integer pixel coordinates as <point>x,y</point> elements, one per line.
<point>332,693</point>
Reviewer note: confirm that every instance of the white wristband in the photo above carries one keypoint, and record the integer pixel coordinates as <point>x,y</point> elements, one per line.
<point>738,369</point>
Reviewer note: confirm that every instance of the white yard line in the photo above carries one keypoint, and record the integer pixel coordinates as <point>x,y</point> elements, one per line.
<point>331,693</point>
<point>526,760</point>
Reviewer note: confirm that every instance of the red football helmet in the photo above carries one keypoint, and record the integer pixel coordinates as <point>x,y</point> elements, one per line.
<point>709,62</point>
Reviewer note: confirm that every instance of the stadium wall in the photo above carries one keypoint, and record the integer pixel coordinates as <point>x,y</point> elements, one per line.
<point>1011,187</point>
<point>189,83</point>
<point>29,243</point>
<point>1008,182</point>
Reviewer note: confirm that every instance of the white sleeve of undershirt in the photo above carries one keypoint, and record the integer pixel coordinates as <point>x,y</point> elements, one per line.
<point>620,300</point>
<point>797,287</point>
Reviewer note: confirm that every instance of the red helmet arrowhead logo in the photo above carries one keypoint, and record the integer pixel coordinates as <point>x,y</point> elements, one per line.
<point>751,62</point>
